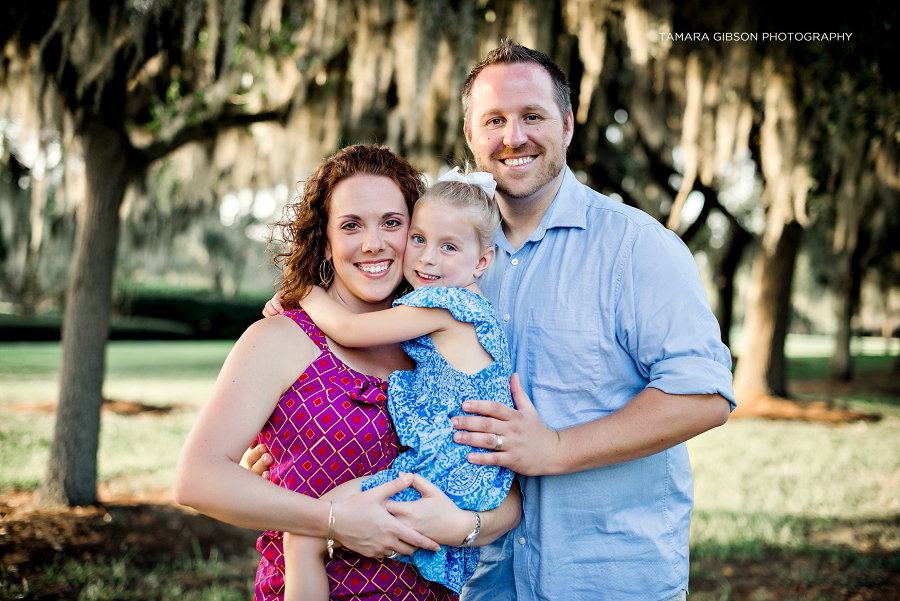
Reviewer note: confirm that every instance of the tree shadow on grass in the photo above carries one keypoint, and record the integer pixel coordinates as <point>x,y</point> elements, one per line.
<point>833,559</point>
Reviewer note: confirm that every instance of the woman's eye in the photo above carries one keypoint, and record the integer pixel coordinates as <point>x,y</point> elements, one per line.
<point>350,226</point>
<point>393,223</point>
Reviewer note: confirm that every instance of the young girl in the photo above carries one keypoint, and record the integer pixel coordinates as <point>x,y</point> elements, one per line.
<point>461,353</point>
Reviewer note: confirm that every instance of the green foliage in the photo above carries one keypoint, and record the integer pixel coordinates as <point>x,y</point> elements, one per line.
<point>148,314</point>
<point>206,316</point>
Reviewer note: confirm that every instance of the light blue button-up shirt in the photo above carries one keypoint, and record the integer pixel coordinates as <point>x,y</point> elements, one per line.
<point>599,303</point>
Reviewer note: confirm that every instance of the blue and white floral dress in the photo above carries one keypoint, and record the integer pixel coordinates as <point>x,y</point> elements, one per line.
<point>421,403</point>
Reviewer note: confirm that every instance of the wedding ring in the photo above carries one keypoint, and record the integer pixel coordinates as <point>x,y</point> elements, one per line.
<point>499,443</point>
<point>393,555</point>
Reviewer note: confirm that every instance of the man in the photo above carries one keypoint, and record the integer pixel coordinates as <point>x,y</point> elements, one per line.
<point>618,355</point>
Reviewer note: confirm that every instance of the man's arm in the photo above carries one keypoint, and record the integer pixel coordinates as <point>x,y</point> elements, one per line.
<point>650,422</point>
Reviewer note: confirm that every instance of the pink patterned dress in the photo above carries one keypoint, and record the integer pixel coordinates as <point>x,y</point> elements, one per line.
<point>331,426</point>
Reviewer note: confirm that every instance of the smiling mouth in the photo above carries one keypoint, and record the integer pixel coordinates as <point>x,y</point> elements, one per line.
<point>427,277</point>
<point>374,268</point>
<point>517,161</point>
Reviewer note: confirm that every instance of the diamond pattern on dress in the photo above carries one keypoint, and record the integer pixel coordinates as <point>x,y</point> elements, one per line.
<point>329,427</point>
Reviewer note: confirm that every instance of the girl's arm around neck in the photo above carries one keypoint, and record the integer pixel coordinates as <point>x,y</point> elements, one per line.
<point>372,329</point>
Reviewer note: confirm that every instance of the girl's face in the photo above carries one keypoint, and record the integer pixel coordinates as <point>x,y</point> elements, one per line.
<point>443,247</point>
<point>367,230</point>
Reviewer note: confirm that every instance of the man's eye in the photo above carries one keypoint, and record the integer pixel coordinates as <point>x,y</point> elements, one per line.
<point>495,122</point>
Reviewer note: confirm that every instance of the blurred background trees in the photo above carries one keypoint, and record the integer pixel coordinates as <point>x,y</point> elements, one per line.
<point>172,132</point>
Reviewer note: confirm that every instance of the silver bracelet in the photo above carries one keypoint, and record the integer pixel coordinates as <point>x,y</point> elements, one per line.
<point>329,538</point>
<point>470,538</point>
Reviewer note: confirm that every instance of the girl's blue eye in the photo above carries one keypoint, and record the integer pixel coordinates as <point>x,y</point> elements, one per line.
<point>418,239</point>
<point>449,248</point>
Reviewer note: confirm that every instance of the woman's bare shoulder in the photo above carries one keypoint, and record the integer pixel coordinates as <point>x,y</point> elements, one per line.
<point>281,338</point>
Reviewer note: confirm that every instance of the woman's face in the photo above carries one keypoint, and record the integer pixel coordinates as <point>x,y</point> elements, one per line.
<point>367,229</point>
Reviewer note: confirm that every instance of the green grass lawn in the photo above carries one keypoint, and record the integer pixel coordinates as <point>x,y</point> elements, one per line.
<point>135,451</point>
<point>814,503</point>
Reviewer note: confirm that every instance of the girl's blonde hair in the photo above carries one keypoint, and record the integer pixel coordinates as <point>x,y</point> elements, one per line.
<point>483,210</point>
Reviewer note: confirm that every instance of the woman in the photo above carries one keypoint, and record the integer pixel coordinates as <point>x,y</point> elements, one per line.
<point>348,231</point>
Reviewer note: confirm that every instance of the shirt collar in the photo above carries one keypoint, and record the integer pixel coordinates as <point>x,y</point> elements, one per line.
<point>568,209</point>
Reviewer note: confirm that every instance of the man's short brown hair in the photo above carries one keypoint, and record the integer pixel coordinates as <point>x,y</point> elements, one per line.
<point>508,52</point>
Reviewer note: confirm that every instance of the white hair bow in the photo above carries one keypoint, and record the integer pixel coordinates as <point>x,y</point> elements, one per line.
<point>482,179</point>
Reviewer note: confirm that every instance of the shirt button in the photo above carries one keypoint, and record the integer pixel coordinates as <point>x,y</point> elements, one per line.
<point>506,317</point>
<point>521,540</point>
<point>515,261</point>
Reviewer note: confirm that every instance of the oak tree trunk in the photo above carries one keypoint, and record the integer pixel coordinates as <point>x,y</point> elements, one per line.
<point>71,477</point>
<point>761,368</point>
<point>840,366</point>
<point>724,279</point>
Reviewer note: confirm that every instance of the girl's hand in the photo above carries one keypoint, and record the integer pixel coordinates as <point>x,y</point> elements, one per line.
<point>434,515</point>
<point>258,459</point>
<point>363,524</point>
<point>273,306</point>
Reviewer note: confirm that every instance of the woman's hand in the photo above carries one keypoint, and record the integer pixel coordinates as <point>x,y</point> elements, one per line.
<point>434,515</point>
<point>437,517</point>
<point>362,523</point>
<point>273,306</point>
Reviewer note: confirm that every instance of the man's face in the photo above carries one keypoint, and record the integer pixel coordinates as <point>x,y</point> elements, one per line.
<point>516,132</point>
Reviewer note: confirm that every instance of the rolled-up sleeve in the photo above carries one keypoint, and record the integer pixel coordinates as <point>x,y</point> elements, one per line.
<point>663,317</point>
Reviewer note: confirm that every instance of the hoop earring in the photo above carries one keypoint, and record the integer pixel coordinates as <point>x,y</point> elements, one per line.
<point>326,273</point>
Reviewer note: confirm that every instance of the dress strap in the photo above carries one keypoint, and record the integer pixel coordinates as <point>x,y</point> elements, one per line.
<point>302,319</point>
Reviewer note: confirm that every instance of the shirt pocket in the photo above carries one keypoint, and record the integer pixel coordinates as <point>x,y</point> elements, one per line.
<point>564,350</point>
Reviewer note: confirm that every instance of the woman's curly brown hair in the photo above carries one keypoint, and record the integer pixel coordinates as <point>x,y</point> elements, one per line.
<point>303,223</point>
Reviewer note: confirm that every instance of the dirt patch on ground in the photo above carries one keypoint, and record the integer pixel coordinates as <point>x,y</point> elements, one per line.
<point>769,407</point>
<point>780,576</point>
<point>815,402</point>
<point>114,406</point>
<point>147,528</point>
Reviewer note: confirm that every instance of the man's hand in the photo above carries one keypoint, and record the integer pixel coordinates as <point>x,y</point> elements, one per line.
<point>273,306</point>
<point>528,446</point>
